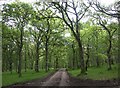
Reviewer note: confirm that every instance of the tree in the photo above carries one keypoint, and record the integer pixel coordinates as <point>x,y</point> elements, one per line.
<point>19,14</point>
<point>113,11</point>
<point>94,43</point>
<point>110,31</point>
<point>26,47</point>
<point>64,9</point>
<point>36,31</point>
<point>49,32</point>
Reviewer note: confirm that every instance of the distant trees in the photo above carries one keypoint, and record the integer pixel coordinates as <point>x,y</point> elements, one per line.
<point>7,48</point>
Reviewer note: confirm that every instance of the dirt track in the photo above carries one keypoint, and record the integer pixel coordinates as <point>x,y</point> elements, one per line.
<point>88,83</point>
<point>62,79</point>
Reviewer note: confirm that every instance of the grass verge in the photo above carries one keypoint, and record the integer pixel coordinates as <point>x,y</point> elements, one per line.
<point>9,79</point>
<point>97,73</point>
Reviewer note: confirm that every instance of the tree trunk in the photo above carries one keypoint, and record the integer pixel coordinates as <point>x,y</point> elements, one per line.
<point>37,58</point>
<point>56,63</point>
<point>109,54</point>
<point>77,60</point>
<point>19,64</point>
<point>3,65</point>
<point>81,53</point>
<point>20,53</point>
<point>10,67</point>
<point>49,66</point>
<point>46,55</point>
<point>87,62</point>
<point>10,62</point>
<point>73,66</point>
<point>97,61</point>
<point>16,63</point>
<point>82,64</point>
<point>31,60</point>
<point>118,61</point>
<point>88,53</point>
<point>25,60</point>
<point>112,61</point>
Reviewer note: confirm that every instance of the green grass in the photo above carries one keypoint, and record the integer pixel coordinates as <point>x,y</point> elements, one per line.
<point>100,73</point>
<point>8,78</point>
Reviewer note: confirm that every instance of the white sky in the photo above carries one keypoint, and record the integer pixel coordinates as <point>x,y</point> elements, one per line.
<point>107,2</point>
<point>67,35</point>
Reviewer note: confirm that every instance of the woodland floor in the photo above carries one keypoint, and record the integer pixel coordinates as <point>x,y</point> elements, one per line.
<point>62,79</point>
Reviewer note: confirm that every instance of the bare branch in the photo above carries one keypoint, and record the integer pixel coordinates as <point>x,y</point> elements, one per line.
<point>113,32</point>
<point>106,11</point>
<point>84,13</point>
